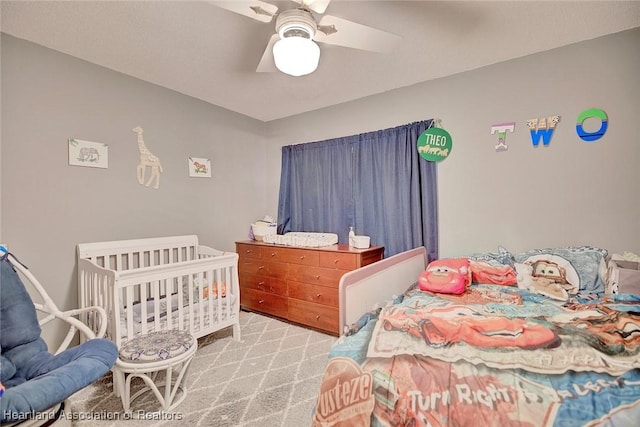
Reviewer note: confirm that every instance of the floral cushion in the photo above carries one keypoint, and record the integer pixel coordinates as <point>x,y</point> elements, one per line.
<point>154,346</point>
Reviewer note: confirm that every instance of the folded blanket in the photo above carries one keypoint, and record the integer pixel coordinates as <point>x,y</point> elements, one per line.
<point>483,272</point>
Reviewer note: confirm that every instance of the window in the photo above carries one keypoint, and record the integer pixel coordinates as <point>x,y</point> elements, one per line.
<point>376,182</point>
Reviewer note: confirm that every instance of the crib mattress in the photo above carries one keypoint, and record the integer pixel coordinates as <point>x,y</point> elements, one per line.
<point>163,323</point>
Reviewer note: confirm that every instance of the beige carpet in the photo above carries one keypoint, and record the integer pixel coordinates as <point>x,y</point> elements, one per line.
<point>271,378</point>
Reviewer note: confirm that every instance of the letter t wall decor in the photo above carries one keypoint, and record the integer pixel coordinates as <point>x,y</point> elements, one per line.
<point>501,129</point>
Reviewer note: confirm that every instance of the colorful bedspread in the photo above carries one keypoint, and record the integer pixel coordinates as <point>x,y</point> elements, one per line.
<point>493,356</point>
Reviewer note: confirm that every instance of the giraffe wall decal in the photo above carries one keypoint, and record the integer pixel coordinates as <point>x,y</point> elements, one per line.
<point>147,159</point>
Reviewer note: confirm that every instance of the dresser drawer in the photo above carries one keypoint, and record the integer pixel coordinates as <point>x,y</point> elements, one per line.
<point>289,255</point>
<point>315,315</point>
<point>315,275</point>
<point>272,285</point>
<point>263,268</point>
<point>249,251</point>
<point>324,295</point>
<point>264,302</point>
<point>338,260</point>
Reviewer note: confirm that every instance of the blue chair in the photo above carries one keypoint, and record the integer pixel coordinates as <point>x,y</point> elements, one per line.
<point>35,381</point>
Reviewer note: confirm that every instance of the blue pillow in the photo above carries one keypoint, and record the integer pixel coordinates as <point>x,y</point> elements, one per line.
<point>497,259</point>
<point>588,261</point>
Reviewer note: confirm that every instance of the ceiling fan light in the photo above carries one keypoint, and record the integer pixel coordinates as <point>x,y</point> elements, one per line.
<point>296,56</point>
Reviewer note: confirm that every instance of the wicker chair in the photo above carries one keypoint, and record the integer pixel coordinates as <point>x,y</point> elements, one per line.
<point>35,383</point>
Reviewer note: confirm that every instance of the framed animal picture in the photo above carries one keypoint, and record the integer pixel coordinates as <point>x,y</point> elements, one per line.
<point>89,154</point>
<point>199,167</point>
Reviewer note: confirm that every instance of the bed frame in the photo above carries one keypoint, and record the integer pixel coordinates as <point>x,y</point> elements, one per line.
<point>159,283</point>
<point>374,285</point>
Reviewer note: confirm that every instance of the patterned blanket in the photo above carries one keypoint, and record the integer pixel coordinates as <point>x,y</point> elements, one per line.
<point>494,356</point>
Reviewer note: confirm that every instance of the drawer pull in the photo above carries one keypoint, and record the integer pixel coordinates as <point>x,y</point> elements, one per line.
<point>272,290</point>
<point>317,317</point>
<point>261,267</point>
<point>249,251</point>
<point>261,301</point>
<point>261,285</point>
<point>336,261</point>
<point>318,296</point>
<point>318,277</point>
<point>302,257</point>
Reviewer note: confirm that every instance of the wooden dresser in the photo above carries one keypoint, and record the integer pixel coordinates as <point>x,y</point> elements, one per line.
<point>298,284</point>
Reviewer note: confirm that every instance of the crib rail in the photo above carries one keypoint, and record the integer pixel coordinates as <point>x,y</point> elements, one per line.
<point>138,253</point>
<point>95,284</point>
<point>200,295</point>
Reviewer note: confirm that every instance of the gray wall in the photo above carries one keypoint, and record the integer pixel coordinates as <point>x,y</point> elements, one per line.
<point>48,207</point>
<point>569,193</point>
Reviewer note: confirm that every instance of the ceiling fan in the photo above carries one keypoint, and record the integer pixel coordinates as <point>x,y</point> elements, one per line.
<point>292,49</point>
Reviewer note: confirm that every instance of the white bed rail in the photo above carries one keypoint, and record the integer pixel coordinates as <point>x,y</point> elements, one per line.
<point>376,284</point>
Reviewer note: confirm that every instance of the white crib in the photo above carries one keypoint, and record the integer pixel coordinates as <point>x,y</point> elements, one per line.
<point>158,284</point>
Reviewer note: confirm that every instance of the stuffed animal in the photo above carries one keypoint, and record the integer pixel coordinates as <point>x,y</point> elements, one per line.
<point>223,287</point>
<point>446,276</point>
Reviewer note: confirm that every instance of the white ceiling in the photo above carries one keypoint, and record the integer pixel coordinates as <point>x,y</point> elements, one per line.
<point>211,54</point>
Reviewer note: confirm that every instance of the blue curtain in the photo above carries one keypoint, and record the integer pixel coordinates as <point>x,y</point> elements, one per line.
<point>376,182</point>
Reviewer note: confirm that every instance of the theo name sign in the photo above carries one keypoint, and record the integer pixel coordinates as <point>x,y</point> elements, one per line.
<point>434,144</point>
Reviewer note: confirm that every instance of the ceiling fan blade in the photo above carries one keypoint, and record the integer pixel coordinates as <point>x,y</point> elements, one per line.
<point>340,32</point>
<point>267,64</point>
<point>318,6</point>
<point>254,9</point>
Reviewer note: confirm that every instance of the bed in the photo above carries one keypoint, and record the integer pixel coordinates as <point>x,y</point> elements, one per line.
<point>495,355</point>
<point>161,283</point>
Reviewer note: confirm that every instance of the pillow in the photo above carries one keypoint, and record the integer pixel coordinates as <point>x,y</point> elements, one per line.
<point>7,369</point>
<point>555,268</point>
<point>587,261</point>
<point>539,285</point>
<point>502,257</point>
<point>447,276</point>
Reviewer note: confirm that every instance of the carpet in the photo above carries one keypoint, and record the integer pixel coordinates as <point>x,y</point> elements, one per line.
<point>269,379</point>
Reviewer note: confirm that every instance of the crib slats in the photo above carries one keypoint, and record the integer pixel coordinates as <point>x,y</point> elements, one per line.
<point>211,285</point>
<point>128,307</point>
